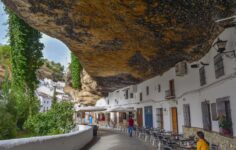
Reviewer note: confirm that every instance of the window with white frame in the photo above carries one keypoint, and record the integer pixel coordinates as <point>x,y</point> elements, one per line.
<point>219,66</point>
<point>187,118</point>
<point>147,90</point>
<point>141,96</point>
<point>202,76</point>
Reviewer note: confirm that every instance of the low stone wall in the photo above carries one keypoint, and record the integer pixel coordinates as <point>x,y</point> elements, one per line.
<point>225,143</point>
<point>70,141</point>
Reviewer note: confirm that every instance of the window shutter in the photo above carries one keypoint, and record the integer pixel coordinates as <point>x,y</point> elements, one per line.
<point>220,107</point>
<point>186,109</point>
<point>213,112</point>
<point>188,113</point>
<point>206,116</point>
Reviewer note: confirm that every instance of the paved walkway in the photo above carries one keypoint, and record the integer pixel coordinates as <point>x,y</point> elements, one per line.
<point>108,140</point>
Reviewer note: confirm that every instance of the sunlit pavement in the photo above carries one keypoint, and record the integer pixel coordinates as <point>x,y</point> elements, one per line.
<point>107,140</point>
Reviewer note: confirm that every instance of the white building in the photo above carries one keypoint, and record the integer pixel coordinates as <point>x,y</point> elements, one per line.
<point>188,96</point>
<point>45,93</point>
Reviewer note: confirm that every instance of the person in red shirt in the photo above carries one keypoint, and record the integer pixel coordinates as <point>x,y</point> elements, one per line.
<point>130,126</point>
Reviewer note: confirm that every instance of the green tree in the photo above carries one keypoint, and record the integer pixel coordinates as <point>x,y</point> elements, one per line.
<point>26,58</point>
<point>59,119</point>
<point>75,69</point>
<point>7,111</point>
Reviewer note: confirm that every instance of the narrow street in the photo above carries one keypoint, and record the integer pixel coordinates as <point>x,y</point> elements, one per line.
<point>108,140</point>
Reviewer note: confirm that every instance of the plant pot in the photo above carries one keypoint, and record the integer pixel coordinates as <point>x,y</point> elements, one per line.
<point>226,131</point>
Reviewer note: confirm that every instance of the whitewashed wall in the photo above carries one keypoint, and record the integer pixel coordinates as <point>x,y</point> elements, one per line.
<point>188,89</point>
<point>71,141</point>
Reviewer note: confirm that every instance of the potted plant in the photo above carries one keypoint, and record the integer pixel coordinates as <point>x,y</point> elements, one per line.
<point>225,124</point>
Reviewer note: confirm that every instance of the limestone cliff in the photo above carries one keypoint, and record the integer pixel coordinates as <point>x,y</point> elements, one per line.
<point>89,92</point>
<point>122,42</point>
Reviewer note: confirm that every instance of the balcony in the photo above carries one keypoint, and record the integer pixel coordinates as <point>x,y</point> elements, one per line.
<point>169,95</point>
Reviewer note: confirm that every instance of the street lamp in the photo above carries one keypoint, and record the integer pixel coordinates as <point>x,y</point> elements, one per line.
<point>221,44</point>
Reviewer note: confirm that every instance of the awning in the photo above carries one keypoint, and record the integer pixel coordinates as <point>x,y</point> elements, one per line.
<point>90,108</point>
<point>121,109</point>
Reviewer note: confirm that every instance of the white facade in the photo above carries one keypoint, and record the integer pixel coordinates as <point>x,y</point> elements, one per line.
<point>45,103</point>
<point>187,90</point>
<point>45,93</point>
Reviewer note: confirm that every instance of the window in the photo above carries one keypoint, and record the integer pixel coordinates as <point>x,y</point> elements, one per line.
<point>147,90</point>
<point>160,122</point>
<point>124,116</point>
<point>219,66</point>
<point>126,94</point>
<point>172,87</point>
<point>202,76</point>
<point>140,96</point>
<point>206,116</point>
<point>131,95</point>
<point>159,88</point>
<point>187,118</point>
<point>213,112</point>
<point>223,110</point>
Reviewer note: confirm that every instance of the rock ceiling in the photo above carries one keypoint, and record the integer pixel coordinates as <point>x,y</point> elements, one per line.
<point>123,42</point>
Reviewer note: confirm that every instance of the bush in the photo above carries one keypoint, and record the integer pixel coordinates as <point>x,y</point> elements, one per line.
<point>57,120</point>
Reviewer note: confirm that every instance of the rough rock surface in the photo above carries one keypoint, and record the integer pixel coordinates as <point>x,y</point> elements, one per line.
<point>89,92</point>
<point>122,42</point>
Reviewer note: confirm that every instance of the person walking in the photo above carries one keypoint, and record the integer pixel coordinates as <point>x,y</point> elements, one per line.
<point>202,143</point>
<point>130,125</point>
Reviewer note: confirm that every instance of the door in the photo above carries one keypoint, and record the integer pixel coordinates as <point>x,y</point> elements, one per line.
<point>206,116</point>
<point>148,117</point>
<point>160,121</point>
<point>174,119</point>
<point>140,117</point>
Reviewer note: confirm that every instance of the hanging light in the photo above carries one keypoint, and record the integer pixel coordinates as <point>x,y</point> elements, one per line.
<point>220,45</point>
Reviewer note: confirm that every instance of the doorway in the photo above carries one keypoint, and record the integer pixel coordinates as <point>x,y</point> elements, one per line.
<point>148,117</point>
<point>160,122</point>
<point>140,117</point>
<point>206,116</point>
<point>174,115</point>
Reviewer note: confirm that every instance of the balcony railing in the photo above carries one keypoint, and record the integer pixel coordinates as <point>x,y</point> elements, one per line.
<point>169,94</point>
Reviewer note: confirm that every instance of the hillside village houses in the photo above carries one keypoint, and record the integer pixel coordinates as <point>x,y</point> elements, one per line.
<point>186,98</point>
<point>45,93</point>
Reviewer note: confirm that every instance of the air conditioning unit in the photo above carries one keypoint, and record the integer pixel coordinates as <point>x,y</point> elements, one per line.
<point>181,68</point>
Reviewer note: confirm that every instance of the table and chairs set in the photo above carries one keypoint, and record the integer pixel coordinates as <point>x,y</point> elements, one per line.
<point>163,140</point>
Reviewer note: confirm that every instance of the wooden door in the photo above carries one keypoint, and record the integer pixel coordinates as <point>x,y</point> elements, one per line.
<point>174,119</point>
<point>140,117</point>
<point>148,117</point>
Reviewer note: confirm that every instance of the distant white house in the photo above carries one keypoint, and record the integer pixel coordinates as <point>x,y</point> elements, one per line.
<point>45,93</point>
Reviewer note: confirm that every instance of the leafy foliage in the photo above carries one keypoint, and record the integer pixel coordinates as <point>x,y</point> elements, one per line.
<point>57,120</point>
<point>7,112</point>
<point>75,69</point>
<point>5,55</point>
<point>26,59</point>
